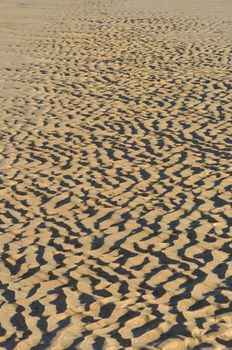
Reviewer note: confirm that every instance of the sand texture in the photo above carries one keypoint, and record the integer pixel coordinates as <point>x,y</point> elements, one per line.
<point>115,175</point>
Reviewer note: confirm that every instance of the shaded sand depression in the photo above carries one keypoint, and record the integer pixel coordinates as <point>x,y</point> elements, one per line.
<point>115,184</point>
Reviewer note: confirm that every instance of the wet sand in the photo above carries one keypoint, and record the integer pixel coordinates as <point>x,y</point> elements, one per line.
<point>115,175</point>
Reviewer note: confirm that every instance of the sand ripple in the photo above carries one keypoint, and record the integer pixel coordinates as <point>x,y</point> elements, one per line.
<point>116,178</point>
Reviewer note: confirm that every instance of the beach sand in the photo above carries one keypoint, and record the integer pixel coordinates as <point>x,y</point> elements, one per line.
<point>115,175</point>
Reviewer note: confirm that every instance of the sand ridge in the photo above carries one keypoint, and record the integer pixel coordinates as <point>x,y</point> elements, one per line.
<point>115,209</point>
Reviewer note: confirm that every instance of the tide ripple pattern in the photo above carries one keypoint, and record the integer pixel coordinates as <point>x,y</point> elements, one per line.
<point>116,187</point>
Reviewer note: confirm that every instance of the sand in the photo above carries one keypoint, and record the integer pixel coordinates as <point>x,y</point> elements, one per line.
<point>115,175</point>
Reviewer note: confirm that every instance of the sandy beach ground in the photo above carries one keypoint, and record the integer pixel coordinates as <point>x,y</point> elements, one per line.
<point>115,175</point>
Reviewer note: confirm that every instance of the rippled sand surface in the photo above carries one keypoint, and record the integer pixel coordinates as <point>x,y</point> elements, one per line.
<point>115,184</point>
